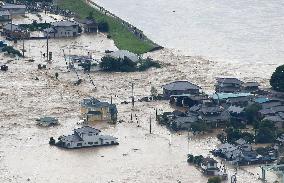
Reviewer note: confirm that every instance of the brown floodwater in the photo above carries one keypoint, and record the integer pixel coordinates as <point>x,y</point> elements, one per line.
<point>26,156</point>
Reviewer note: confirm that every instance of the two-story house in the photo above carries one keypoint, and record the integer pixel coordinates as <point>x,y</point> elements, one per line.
<point>63,28</point>
<point>94,110</point>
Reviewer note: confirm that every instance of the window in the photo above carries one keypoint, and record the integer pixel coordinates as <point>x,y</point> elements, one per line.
<point>79,144</point>
<point>90,134</point>
<point>95,142</point>
<point>107,142</point>
<point>90,143</point>
<point>112,142</point>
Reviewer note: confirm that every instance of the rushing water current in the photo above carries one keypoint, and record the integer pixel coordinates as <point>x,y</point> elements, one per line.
<point>220,30</point>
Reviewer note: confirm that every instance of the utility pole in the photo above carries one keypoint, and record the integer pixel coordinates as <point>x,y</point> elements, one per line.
<point>132,91</point>
<point>156,114</point>
<point>23,50</point>
<point>150,124</point>
<point>47,35</point>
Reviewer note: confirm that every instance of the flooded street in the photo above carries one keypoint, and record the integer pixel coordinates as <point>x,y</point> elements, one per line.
<point>26,156</point>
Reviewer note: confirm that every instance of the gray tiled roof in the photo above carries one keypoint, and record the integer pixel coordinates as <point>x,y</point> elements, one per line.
<point>229,81</point>
<point>236,109</point>
<point>209,160</point>
<point>87,129</point>
<point>5,12</point>
<point>13,6</point>
<point>268,105</point>
<point>272,110</point>
<point>181,85</point>
<point>186,119</point>
<point>275,118</point>
<point>239,99</point>
<point>71,138</point>
<point>251,84</point>
<point>124,53</point>
<point>214,109</point>
<point>63,23</point>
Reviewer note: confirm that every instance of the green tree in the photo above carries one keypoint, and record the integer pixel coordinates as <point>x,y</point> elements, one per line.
<point>251,113</point>
<point>277,79</point>
<point>214,180</point>
<point>266,132</point>
<point>199,126</point>
<point>91,15</point>
<point>103,26</point>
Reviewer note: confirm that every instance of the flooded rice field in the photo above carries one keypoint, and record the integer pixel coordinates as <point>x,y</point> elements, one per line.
<point>26,156</point>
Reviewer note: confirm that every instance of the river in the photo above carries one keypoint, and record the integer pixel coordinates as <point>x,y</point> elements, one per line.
<point>220,30</point>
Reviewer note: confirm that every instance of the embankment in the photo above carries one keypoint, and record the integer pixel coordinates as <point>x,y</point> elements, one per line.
<point>125,36</point>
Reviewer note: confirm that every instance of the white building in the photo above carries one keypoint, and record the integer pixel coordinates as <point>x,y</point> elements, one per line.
<point>86,137</point>
<point>64,28</point>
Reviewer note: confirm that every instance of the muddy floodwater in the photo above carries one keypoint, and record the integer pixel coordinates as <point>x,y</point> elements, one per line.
<point>26,156</point>
<point>221,30</point>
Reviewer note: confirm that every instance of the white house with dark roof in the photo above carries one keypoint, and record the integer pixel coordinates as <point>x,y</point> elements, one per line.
<point>86,136</point>
<point>63,28</point>
<point>179,88</point>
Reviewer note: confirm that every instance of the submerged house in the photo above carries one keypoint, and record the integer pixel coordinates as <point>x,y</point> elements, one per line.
<point>88,25</point>
<point>14,31</point>
<point>47,121</point>
<point>63,28</point>
<point>183,122</point>
<point>187,100</point>
<point>84,137</point>
<point>94,110</point>
<point>228,85</point>
<point>179,88</point>
<point>209,167</point>
<point>251,86</point>
<point>122,54</point>
<point>214,114</point>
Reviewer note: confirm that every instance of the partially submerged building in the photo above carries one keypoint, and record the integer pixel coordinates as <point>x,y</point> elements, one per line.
<point>14,31</point>
<point>122,54</point>
<point>47,121</point>
<point>88,25</point>
<point>228,85</point>
<point>242,154</point>
<point>187,100</point>
<point>250,86</point>
<point>63,28</point>
<point>180,88</point>
<point>14,9</point>
<point>84,137</point>
<point>94,110</point>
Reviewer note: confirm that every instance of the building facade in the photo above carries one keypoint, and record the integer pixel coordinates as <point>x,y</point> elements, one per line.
<point>64,28</point>
<point>94,110</point>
